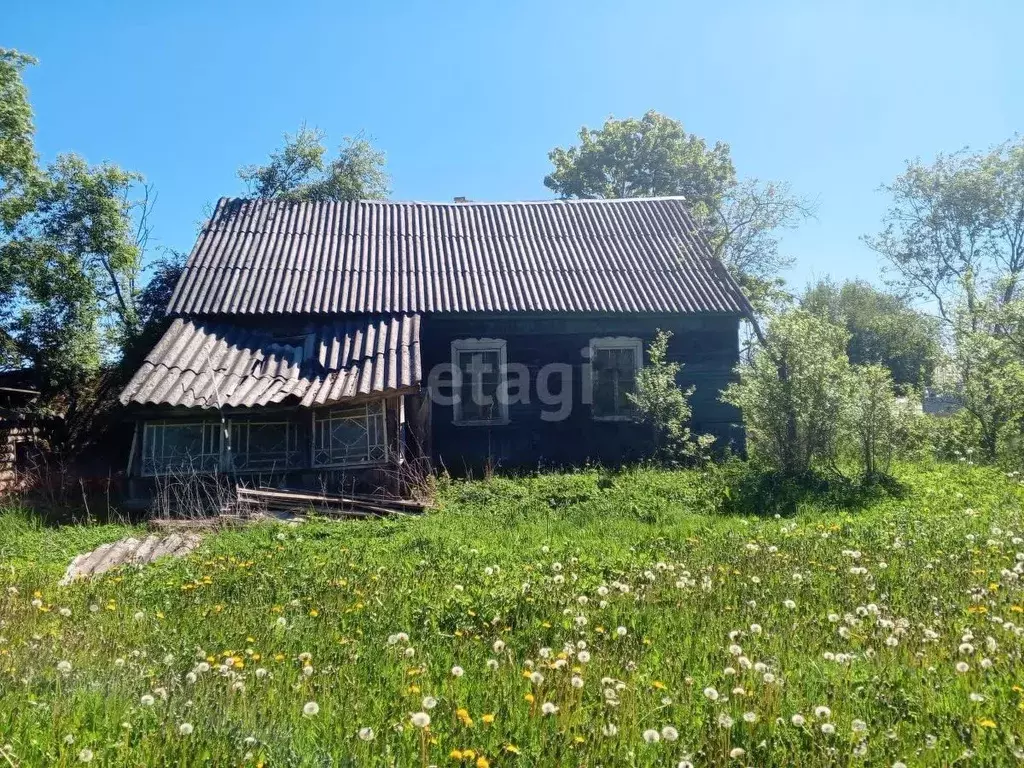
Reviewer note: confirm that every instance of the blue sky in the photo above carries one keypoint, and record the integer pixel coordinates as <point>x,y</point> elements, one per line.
<point>467,98</point>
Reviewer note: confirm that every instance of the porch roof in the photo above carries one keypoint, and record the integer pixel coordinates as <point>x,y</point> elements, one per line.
<point>204,364</point>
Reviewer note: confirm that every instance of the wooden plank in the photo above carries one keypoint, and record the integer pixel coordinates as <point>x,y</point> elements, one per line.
<point>377,503</point>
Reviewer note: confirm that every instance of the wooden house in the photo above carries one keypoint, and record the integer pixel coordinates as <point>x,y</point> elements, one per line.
<point>313,343</point>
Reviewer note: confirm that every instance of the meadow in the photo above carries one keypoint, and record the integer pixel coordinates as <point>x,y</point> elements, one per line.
<point>587,619</point>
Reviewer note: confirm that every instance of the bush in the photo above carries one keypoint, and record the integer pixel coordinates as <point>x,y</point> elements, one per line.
<point>792,393</point>
<point>662,404</point>
<point>879,422</point>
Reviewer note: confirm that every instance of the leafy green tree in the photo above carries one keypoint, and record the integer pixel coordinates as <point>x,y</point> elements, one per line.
<point>77,256</point>
<point>17,169</point>
<point>72,239</point>
<point>878,422</point>
<point>990,385</point>
<point>883,328</point>
<point>17,149</point>
<point>649,157</point>
<point>662,404</point>
<point>954,232</point>
<point>655,156</point>
<point>300,170</point>
<point>793,391</point>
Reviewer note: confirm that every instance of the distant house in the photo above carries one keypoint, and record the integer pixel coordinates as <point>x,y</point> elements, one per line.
<point>18,432</point>
<point>940,403</point>
<point>313,341</point>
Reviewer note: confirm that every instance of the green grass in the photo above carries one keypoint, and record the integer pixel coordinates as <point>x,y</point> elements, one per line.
<point>546,562</point>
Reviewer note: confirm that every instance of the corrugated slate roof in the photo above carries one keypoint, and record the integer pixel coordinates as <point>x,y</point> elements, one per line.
<point>203,364</point>
<point>637,255</point>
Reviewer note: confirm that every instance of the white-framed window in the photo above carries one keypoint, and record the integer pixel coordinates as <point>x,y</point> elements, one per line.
<point>479,381</point>
<point>344,437</point>
<point>172,446</point>
<point>262,446</point>
<point>614,361</point>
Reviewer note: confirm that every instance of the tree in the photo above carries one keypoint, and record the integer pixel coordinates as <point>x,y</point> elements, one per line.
<point>876,419</point>
<point>654,156</point>
<point>76,255</point>
<point>300,170</point>
<point>17,149</point>
<point>954,232</point>
<point>792,393</point>
<point>883,328</point>
<point>664,406</point>
<point>17,169</point>
<point>990,385</point>
<point>72,240</point>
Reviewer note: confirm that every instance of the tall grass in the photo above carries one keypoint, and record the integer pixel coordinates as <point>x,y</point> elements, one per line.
<point>596,619</point>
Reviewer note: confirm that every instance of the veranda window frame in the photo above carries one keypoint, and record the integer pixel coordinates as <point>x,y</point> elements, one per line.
<point>379,411</point>
<point>215,429</point>
<point>231,452</point>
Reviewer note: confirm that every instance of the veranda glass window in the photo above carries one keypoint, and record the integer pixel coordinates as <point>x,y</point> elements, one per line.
<point>176,447</point>
<point>263,446</point>
<point>614,363</point>
<point>350,436</point>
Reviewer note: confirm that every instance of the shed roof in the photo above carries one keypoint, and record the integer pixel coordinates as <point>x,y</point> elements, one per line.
<point>202,364</point>
<point>272,257</point>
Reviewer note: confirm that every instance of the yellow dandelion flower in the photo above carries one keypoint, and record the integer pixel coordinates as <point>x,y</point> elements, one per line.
<point>529,697</point>
<point>468,754</point>
<point>483,762</point>
<point>455,754</point>
<point>512,749</point>
<point>314,613</point>
<point>488,718</point>
<point>657,684</point>
<point>986,723</point>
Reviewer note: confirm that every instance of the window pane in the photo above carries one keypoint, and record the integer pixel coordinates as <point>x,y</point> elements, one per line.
<point>481,379</point>
<point>182,441</point>
<point>614,378</point>
<point>350,436</point>
<point>257,445</point>
<point>604,393</point>
<point>181,447</point>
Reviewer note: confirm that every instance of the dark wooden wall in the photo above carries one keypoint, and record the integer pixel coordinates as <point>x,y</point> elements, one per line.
<point>707,346</point>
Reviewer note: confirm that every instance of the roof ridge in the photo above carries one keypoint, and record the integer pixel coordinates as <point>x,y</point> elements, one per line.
<point>465,203</point>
